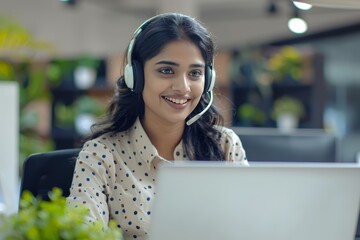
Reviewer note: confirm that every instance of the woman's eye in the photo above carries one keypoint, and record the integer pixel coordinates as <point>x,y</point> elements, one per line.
<point>195,74</point>
<point>166,71</point>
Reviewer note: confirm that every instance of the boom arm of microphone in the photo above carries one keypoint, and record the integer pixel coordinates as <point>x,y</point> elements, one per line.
<point>197,116</point>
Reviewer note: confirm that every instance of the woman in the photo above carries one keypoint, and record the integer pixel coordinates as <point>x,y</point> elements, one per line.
<point>161,112</point>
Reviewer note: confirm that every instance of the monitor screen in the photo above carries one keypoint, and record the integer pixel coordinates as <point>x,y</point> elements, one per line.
<point>301,145</point>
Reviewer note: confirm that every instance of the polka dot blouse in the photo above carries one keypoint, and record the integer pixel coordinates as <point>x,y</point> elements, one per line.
<point>115,177</point>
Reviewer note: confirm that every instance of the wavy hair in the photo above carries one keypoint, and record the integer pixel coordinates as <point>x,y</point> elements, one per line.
<point>200,139</point>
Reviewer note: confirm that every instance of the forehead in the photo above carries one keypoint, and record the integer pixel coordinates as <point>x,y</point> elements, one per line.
<point>180,51</point>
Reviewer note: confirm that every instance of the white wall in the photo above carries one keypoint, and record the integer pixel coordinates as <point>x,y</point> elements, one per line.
<point>9,144</point>
<point>85,29</point>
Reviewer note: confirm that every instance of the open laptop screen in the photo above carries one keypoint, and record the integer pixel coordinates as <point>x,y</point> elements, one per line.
<point>265,201</point>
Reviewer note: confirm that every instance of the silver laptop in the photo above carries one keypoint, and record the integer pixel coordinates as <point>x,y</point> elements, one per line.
<point>274,201</point>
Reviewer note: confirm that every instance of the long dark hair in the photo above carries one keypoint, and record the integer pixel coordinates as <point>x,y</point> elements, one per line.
<point>201,139</point>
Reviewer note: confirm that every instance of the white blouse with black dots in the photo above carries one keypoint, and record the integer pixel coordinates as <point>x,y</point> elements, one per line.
<point>115,177</point>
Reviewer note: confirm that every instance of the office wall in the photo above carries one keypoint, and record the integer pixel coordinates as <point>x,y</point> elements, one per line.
<point>103,27</point>
<point>90,28</point>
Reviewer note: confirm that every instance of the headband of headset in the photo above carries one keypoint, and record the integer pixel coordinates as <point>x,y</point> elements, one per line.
<point>134,74</point>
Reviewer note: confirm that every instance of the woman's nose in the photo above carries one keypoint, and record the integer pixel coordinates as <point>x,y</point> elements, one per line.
<point>181,84</point>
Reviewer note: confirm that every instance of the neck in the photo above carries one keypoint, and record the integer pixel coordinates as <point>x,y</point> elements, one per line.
<point>164,137</point>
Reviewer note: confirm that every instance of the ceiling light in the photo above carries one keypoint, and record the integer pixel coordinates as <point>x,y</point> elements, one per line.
<point>297,25</point>
<point>346,4</point>
<point>302,5</point>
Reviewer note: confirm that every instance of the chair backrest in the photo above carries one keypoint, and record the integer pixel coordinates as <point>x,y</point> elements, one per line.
<point>44,171</point>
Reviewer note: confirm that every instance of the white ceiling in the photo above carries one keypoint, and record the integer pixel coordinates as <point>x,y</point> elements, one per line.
<point>104,27</point>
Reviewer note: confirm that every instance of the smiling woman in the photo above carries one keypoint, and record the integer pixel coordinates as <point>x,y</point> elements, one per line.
<point>161,112</point>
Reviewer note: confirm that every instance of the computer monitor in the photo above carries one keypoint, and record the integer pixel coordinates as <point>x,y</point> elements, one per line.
<point>300,145</point>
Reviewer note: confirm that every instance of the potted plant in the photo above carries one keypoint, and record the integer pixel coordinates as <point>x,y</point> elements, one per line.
<point>250,115</point>
<point>85,72</point>
<point>42,220</point>
<point>286,64</point>
<point>287,111</point>
<point>87,110</point>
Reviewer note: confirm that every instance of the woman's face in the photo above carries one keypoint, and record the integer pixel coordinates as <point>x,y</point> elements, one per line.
<point>174,82</point>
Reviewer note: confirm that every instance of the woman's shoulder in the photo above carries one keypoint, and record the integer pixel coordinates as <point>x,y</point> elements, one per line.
<point>106,140</point>
<point>228,136</point>
<point>232,145</point>
<point>226,132</point>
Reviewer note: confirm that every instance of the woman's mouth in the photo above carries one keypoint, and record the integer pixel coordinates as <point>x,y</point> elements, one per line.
<point>176,100</point>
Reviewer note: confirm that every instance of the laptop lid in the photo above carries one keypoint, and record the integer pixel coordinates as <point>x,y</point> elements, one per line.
<point>282,201</point>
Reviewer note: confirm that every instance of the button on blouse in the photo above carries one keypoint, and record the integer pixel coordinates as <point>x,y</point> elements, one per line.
<point>115,177</point>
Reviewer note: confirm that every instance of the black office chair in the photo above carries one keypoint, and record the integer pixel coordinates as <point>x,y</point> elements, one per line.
<point>44,171</point>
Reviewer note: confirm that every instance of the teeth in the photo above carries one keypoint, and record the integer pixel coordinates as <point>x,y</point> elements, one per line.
<point>177,101</point>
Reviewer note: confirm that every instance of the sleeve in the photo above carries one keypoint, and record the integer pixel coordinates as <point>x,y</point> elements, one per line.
<point>90,184</point>
<point>233,147</point>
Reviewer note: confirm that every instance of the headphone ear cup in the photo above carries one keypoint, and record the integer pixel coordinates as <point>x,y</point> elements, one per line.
<point>132,72</point>
<point>138,74</point>
<point>129,76</point>
<point>210,77</point>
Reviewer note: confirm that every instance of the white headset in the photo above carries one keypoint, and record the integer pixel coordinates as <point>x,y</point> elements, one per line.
<point>133,69</point>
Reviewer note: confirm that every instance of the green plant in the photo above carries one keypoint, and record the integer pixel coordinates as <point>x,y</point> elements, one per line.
<point>17,42</point>
<point>64,68</point>
<point>45,220</point>
<point>288,104</point>
<point>6,71</point>
<point>250,113</point>
<point>64,114</point>
<point>88,61</point>
<point>89,105</point>
<point>287,62</point>
<point>59,69</point>
<point>17,47</point>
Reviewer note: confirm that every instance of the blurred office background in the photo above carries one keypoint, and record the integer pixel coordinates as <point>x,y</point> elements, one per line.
<point>66,56</point>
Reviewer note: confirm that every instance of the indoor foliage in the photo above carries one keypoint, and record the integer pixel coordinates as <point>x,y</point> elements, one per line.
<point>52,220</point>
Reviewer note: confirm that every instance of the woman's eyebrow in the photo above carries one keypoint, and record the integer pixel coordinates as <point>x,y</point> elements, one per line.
<point>197,65</point>
<point>168,63</point>
<point>194,65</point>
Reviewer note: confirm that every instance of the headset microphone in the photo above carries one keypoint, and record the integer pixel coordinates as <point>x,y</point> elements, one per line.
<point>197,116</point>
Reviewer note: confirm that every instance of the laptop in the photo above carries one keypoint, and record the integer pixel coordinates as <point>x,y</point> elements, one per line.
<point>275,201</point>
